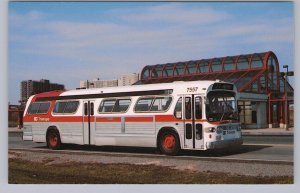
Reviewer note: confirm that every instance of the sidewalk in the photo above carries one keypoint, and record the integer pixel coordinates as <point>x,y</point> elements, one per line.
<point>245,132</point>
<point>269,131</point>
<point>14,129</point>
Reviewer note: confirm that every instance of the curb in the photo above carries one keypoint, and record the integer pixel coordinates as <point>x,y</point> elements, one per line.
<point>266,134</point>
<point>15,131</point>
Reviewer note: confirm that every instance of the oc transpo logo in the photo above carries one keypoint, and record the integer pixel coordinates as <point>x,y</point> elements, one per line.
<point>40,119</point>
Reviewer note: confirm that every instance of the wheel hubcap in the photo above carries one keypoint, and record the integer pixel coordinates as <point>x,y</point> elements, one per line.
<point>169,141</point>
<point>53,140</point>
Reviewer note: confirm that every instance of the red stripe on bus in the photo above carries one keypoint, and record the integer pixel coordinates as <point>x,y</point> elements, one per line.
<point>40,118</point>
<point>171,118</point>
<point>158,118</point>
<point>67,119</point>
<point>166,118</point>
<point>47,94</point>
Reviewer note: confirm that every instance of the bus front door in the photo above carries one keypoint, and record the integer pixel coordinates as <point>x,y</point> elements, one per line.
<point>88,122</point>
<point>193,132</point>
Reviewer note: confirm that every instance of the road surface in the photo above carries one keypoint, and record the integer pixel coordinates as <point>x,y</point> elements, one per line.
<point>272,148</point>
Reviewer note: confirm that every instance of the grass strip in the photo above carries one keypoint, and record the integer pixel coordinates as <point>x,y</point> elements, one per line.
<point>27,172</point>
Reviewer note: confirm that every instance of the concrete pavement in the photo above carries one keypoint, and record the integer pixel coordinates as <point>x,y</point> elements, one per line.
<point>245,132</point>
<point>14,129</point>
<point>269,131</point>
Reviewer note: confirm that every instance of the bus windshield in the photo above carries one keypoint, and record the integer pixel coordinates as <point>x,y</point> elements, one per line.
<point>221,105</point>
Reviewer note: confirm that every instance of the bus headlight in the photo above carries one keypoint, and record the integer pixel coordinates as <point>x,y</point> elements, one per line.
<point>210,129</point>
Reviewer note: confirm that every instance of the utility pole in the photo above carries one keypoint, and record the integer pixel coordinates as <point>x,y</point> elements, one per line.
<point>286,109</point>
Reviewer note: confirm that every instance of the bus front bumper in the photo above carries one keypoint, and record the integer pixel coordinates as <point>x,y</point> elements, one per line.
<point>224,143</point>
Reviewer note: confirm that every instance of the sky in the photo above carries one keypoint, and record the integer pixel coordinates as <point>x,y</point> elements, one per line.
<point>66,42</point>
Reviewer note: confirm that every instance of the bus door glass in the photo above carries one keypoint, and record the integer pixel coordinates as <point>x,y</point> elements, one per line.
<point>88,122</point>
<point>198,122</point>
<point>193,132</point>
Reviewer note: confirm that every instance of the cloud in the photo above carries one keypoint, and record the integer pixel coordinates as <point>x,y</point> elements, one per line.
<point>262,31</point>
<point>27,19</point>
<point>126,39</point>
<point>95,41</point>
<point>175,13</point>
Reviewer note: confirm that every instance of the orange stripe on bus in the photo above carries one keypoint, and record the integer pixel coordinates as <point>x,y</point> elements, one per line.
<point>158,118</point>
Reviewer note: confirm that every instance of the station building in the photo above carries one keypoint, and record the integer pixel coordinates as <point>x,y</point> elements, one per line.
<point>257,77</point>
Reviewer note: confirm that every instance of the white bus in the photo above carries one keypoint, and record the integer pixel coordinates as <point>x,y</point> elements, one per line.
<point>194,115</point>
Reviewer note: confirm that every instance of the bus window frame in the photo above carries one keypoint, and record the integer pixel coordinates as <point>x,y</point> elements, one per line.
<point>49,102</point>
<point>121,112</point>
<point>154,97</point>
<point>180,98</point>
<point>79,103</point>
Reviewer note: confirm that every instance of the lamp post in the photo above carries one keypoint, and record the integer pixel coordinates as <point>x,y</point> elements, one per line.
<point>286,75</point>
<point>285,96</point>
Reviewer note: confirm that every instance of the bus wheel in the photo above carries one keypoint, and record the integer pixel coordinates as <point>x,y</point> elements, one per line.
<point>169,143</point>
<point>53,139</point>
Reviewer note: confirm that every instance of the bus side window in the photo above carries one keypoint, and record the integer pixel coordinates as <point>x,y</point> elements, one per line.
<point>44,107</point>
<point>107,106</point>
<point>144,104</point>
<point>161,103</point>
<point>178,109</point>
<point>71,107</point>
<point>124,104</point>
<point>33,108</point>
<point>38,108</point>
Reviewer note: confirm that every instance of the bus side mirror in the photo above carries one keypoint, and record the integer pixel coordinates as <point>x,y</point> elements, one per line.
<point>239,109</point>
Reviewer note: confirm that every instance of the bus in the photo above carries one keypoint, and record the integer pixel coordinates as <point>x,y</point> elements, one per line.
<point>182,115</point>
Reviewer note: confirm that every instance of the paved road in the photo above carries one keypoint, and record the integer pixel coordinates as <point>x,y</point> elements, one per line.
<point>254,148</point>
<point>272,139</point>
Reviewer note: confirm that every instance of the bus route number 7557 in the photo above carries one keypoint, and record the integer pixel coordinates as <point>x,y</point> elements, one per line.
<point>192,89</point>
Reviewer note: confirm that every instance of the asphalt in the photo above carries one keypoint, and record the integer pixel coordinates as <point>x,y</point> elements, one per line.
<point>245,132</point>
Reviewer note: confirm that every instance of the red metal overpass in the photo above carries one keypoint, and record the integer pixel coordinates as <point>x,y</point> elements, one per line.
<point>257,73</point>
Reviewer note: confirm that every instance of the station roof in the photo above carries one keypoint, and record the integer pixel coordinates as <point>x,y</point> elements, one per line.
<point>255,73</point>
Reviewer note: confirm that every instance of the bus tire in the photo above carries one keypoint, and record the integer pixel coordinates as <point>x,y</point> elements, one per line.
<point>53,139</point>
<point>169,143</point>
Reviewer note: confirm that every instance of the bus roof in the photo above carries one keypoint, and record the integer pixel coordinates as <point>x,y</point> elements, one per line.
<point>174,85</point>
<point>179,87</point>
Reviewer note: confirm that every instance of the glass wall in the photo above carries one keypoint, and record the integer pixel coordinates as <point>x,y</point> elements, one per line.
<point>248,113</point>
<point>168,70</point>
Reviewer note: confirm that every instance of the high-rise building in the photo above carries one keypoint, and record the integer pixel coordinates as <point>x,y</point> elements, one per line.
<point>124,80</point>
<point>128,79</point>
<point>31,87</point>
<point>97,83</point>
